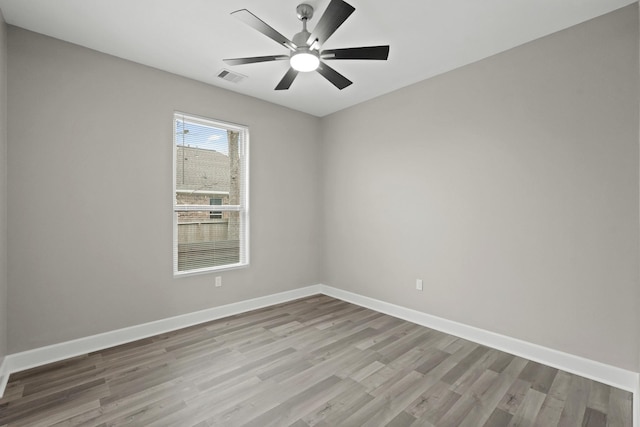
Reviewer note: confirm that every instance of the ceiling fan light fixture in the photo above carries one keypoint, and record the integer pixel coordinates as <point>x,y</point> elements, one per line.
<point>304,60</point>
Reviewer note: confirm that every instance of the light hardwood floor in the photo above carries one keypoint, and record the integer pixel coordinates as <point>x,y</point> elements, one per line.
<point>317,361</point>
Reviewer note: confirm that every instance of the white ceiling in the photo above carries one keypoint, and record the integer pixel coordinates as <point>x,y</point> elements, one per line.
<point>191,37</point>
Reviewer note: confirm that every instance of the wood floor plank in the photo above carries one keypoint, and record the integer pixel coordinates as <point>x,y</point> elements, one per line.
<point>14,390</point>
<point>528,411</point>
<point>60,416</point>
<point>334,411</point>
<point>474,372</point>
<point>68,365</point>
<point>315,361</point>
<point>299,423</point>
<point>433,403</point>
<point>229,394</point>
<point>560,386</point>
<point>422,423</point>
<point>227,399</point>
<point>514,396</point>
<point>550,412</point>
<point>401,420</point>
<point>594,418</point>
<point>619,407</point>
<point>498,418</point>
<point>541,377</point>
<point>367,359</point>
<point>433,359</point>
<point>114,409</point>
<point>382,409</point>
<point>576,403</point>
<point>482,391</point>
<point>489,398</point>
<point>367,370</point>
<point>458,412</point>
<point>501,362</point>
<point>598,397</point>
<point>242,370</point>
<point>148,414</point>
<point>299,404</point>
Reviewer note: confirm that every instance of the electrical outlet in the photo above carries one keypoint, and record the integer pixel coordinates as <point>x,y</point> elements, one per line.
<point>218,281</point>
<point>419,284</point>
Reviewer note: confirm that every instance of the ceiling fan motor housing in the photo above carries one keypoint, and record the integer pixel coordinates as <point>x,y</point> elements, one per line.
<point>300,39</point>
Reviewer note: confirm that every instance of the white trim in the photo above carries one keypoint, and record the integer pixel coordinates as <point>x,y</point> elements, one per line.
<point>607,374</point>
<point>4,375</point>
<point>53,353</point>
<point>636,403</point>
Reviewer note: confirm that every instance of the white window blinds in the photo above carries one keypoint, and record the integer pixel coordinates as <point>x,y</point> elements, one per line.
<point>210,168</point>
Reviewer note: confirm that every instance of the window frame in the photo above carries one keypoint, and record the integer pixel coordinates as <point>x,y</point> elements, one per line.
<point>242,207</point>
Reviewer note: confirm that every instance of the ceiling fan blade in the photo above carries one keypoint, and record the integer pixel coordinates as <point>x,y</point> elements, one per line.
<point>286,81</point>
<point>337,12</point>
<point>254,59</point>
<point>368,52</point>
<point>253,21</point>
<point>337,79</point>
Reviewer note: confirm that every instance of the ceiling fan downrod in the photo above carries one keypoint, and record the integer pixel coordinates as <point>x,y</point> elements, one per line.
<point>305,58</point>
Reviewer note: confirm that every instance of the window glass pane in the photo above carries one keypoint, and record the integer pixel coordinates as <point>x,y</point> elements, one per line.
<point>202,163</point>
<point>206,243</point>
<point>209,171</point>
<point>215,214</point>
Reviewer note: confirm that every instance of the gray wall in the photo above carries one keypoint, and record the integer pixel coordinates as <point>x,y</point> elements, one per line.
<point>3,188</point>
<point>90,199</point>
<point>510,186</point>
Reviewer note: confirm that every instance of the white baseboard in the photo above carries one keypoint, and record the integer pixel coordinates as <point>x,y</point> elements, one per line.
<point>607,374</point>
<point>53,353</point>
<point>4,375</point>
<point>636,404</point>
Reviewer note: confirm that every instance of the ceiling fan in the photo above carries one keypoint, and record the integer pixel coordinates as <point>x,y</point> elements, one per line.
<point>306,47</point>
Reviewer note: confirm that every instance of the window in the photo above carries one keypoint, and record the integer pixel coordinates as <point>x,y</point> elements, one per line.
<point>210,168</point>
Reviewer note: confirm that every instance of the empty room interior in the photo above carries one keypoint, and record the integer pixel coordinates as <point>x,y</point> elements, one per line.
<point>437,223</point>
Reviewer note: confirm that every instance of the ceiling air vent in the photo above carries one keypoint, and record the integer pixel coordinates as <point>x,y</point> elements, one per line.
<point>230,76</point>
